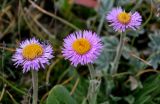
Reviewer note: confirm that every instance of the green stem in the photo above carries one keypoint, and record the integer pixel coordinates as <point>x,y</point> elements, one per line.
<point>35,87</point>
<point>118,54</point>
<point>100,24</point>
<point>91,71</point>
<point>94,85</point>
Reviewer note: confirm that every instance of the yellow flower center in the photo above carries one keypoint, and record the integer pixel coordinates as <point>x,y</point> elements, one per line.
<point>32,51</point>
<point>81,46</point>
<point>124,17</point>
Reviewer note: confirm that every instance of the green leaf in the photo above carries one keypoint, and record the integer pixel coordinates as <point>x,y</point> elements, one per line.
<point>109,51</point>
<point>64,8</point>
<point>84,101</point>
<point>115,98</point>
<point>106,5</point>
<point>130,99</point>
<point>60,95</point>
<point>149,91</point>
<point>154,60</point>
<point>155,41</point>
<point>123,2</point>
<point>154,44</point>
<point>63,4</point>
<point>135,33</point>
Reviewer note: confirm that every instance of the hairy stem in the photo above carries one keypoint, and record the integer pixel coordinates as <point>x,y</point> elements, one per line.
<point>91,71</point>
<point>94,85</point>
<point>118,54</point>
<point>35,87</point>
<point>100,24</point>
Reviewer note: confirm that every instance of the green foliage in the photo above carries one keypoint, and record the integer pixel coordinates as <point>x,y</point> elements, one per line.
<point>155,46</point>
<point>105,59</point>
<point>155,41</point>
<point>149,91</point>
<point>135,83</point>
<point>106,5</point>
<point>64,6</point>
<point>59,95</point>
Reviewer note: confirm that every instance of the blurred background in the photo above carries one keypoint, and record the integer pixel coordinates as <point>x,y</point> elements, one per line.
<point>137,80</point>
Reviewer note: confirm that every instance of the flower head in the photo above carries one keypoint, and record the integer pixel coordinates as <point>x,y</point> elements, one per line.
<point>82,47</point>
<point>121,20</point>
<point>32,55</point>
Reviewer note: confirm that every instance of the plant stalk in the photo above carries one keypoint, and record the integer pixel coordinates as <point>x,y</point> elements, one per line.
<point>118,54</point>
<point>94,85</point>
<point>35,87</point>
<point>91,71</point>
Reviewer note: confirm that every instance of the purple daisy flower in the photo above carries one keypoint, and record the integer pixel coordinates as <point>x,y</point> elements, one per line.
<point>32,55</point>
<point>82,47</point>
<point>120,20</point>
